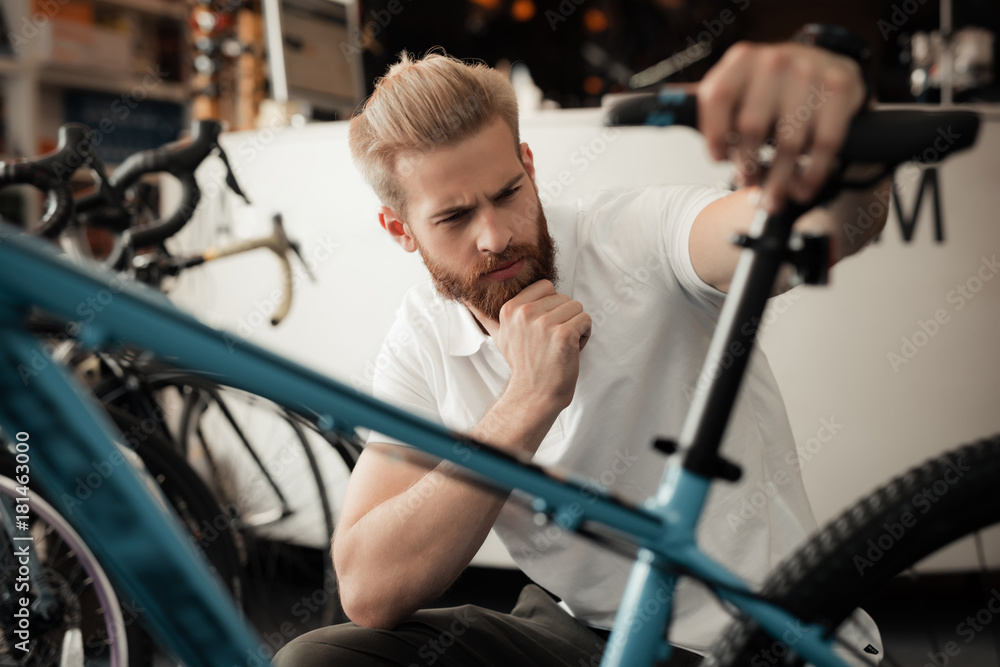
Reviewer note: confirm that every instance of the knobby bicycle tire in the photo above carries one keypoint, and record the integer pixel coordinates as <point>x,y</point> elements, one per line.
<point>86,603</point>
<point>857,554</point>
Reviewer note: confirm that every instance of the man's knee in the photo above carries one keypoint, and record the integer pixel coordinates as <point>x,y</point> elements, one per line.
<point>333,645</point>
<point>348,645</point>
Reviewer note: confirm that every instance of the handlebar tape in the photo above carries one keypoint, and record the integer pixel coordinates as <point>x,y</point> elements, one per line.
<point>178,159</point>
<point>59,197</point>
<point>51,173</point>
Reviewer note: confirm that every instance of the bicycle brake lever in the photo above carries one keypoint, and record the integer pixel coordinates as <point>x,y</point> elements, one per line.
<point>230,176</point>
<point>294,245</point>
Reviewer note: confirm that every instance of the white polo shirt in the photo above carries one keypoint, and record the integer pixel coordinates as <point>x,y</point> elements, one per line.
<point>625,257</point>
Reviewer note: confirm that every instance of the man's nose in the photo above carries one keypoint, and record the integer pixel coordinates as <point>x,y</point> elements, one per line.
<point>491,234</point>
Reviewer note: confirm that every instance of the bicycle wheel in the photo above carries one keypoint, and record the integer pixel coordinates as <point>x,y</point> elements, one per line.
<point>73,615</point>
<point>859,553</point>
<point>252,455</point>
<point>211,527</point>
<point>227,428</point>
<point>87,603</point>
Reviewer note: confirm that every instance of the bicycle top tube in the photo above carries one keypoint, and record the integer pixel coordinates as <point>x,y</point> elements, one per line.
<point>135,314</point>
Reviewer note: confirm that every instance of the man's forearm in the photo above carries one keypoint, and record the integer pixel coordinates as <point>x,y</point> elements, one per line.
<point>857,217</point>
<point>406,551</point>
<point>851,220</point>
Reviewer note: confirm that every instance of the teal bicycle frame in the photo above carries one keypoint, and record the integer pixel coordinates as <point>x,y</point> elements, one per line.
<point>146,551</point>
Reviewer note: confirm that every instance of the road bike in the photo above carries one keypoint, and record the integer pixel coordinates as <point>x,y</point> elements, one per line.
<point>134,390</point>
<point>814,591</point>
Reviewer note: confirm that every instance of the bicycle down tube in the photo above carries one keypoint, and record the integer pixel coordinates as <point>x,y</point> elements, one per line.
<point>139,316</point>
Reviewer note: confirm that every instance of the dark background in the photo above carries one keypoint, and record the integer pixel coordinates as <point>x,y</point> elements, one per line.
<point>554,37</point>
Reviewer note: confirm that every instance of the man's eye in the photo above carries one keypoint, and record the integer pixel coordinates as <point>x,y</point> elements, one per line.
<point>508,194</point>
<point>455,217</point>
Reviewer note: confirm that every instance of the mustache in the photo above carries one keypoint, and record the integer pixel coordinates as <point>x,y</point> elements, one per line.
<point>495,261</point>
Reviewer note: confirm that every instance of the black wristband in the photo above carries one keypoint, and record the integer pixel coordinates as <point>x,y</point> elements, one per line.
<point>843,42</point>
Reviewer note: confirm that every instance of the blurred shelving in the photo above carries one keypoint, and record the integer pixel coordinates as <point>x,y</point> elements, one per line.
<point>166,8</point>
<point>86,60</point>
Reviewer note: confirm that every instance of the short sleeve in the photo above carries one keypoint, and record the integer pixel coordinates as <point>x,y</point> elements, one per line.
<point>399,380</point>
<point>686,204</point>
<point>651,227</point>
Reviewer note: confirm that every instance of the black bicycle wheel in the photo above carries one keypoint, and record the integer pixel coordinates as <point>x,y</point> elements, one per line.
<point>856,556</point>
<point>214,415</point>
<point>217,426</point>
<point>211,526</point>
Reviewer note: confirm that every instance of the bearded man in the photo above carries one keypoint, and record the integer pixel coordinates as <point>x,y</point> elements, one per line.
<point>500,344</point>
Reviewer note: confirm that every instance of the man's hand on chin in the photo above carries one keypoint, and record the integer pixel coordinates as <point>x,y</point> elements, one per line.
<point>540,333</point>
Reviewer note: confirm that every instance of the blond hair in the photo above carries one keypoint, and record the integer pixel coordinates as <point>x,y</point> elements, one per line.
<point>420,105</point>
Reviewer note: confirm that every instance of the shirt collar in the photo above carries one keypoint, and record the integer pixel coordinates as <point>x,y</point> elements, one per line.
<point>464,335</point>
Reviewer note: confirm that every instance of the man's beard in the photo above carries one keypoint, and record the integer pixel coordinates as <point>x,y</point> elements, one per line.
<point>488,296</point>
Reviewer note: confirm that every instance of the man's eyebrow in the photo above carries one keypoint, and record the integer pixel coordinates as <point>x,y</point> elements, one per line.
<point>451,210</point>
<point>508,185</point>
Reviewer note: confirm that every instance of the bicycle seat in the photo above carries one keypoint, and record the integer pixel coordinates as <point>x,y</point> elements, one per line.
<point>883,136</point>
<point>894,136</point>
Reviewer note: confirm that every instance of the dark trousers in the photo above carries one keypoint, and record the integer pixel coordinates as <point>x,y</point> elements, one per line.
<point>537,632</point>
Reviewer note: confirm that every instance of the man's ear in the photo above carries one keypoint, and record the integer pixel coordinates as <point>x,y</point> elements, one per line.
<point>398,229</point>
<point>528,160</point>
